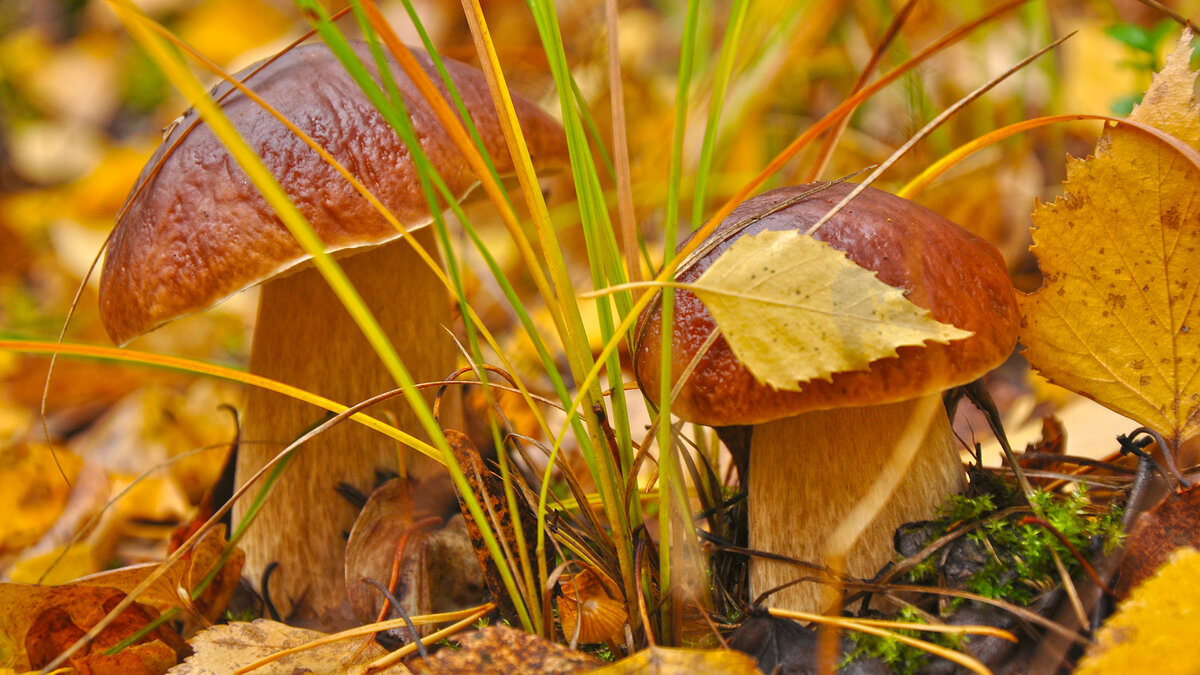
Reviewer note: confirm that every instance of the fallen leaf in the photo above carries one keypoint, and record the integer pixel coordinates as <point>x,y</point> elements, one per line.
<point>21,605</point>
<point>38,623</point>
<point>1116,319</point>
<point>1173,523</point>
<point>501,650</point>
<point>795,309</point>
<point>223,649</point>
<point>35,493</point>
<point>1156,625</point>
<point>181,578</point>
<point>590,604</point>
<point>84,538</point>
<point>681,661</point>
<point>61,564</point>
<point>437,572</point>
<point>152,658</point>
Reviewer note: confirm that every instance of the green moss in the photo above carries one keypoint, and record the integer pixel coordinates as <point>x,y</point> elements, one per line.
<point>900,658</point>
<point>1018,561</point>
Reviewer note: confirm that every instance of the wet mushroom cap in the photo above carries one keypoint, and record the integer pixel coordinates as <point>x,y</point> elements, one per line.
<point>195,230</point>
<point>960,278</point>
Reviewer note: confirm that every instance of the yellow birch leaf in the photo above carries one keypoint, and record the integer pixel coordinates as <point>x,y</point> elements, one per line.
<point>1159,623</point>
<point>1116,318</point>
<point>795,309</point>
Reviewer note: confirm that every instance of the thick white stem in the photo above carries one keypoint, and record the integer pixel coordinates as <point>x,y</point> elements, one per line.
<point>808,472</point>
<point>304,337</point>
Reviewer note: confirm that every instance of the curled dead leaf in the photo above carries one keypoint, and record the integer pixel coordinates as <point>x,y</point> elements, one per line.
<point>588,606</point>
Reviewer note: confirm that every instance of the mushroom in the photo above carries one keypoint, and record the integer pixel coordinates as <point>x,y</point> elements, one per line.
<point>814,452</point>
<point>195,231</point>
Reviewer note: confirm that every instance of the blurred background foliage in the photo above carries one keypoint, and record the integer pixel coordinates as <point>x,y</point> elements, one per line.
<point>81,108</point>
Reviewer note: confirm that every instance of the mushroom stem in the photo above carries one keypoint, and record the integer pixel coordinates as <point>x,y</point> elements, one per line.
<point>807,473</point>
<point>305,337</point>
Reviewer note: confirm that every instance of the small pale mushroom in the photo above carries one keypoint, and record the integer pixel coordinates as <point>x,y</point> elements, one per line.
<point>195,231</point>
<point>815,452</point>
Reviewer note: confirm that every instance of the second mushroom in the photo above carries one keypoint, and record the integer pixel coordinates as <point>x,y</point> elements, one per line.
<point>814,452</point>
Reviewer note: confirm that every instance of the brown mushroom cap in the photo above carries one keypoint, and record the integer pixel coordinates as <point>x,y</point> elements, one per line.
<point>958,277</point>
<point>195,230</point>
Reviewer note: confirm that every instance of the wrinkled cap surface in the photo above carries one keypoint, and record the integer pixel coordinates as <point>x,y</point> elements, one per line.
<point>958,277</point>
<point>195,230</point>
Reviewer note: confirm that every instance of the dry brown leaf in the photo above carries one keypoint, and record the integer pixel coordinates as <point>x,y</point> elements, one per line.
<point>501,650</point>
<point>683,662</point>
<point>438,571</point>
<point>1117,319</point>
<point>795,309</point>
<point>1156,626</point>
<point>181,577</point>
<point>1172,523</point>
<point>37,623</point>
<point>220,650</point>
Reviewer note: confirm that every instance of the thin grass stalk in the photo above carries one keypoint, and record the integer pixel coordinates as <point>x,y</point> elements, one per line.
<point>525,602</point>
<point>602,246</point>
<point>560,301</point>
<point>133,357</point>
<point>664,439</point>
<point>831,141</point>
<point>716,104</point>
<point>564,303</point>
<point>616,87</point>
<point>549,366</point>
<point>593,131</point>
<point>928,129</point>
<point>489,182</point>
<point>948,161</point>
<point>470,325</point>
<point>393,110</point>
<point>587,186</point>
<point>606,268</point>
<point>870,627</point>
<point>379,24</point>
